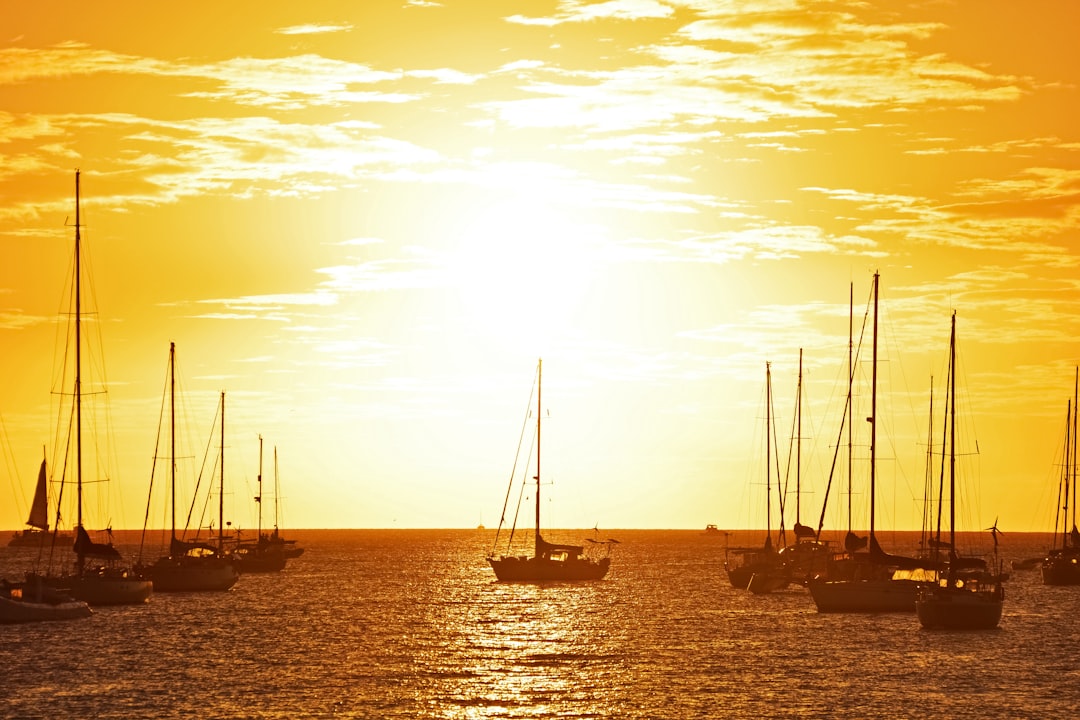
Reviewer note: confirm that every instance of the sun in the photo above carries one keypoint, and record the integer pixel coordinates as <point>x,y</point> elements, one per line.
<point>523,272</point>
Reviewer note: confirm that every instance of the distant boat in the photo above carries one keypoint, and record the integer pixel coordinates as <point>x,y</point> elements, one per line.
<point>760,570</point>
<point>1061,566</point>
<point>100,576</point>
<point>195,565</point>
<point>550,561</point>
<point>35,601</point>
<point>37,533</point>
<point>961,600</point>
<point>263,555</point>
<point>275,539</point>
<point>874,581</point>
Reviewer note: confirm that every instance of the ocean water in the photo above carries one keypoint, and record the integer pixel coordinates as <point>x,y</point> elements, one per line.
<point>411,624</point>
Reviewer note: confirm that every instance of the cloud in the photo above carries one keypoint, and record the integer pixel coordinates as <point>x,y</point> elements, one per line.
<point>291,82</point>
<point>576,11</point>
<point>315,29</point>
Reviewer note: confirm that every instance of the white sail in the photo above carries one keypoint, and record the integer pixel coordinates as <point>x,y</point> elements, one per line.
<point>39,510</point>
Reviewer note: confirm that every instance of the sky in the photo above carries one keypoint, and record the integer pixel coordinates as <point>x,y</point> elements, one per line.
<point>365,223</point>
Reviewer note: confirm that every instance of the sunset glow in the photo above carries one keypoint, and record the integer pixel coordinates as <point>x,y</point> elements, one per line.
<point>366,221</point>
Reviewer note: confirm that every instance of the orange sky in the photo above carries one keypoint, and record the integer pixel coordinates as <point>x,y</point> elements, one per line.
<point>366,221</point>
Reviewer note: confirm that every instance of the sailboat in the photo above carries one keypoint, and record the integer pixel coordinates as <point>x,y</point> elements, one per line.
<point>37,531</point>
<point>760,570</point>
<point>961,600</point>
<point>1061,566</point>
<point>260,555</point>
<point>100,576</point>
<point>874,581</point>
<point>34,601</point>
<point>550,562</point>
<point>275,540</point>
<point>288,547</point>
<point>191,566</point>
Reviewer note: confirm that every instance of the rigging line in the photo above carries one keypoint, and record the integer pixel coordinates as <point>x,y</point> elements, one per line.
<point>9,457</point>
<point>185,412</point>
<point>521,495</point>
<point>928,474</point>
<point>60,492</point>
<point>1063,481</point>
<point>781,535</point>
<point>513,471</point>
<point>950,381</point>
<point>202,469</point>
<point>791,443</point>
<point>154,461</point>
<point>848,412</point>
<point>832,468</point>
<point>846,415</point>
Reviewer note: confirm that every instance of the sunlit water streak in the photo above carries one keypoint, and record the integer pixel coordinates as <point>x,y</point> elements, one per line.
<point>407,624</point>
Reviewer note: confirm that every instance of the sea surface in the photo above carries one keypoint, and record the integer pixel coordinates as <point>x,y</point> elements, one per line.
<point>411,624</point>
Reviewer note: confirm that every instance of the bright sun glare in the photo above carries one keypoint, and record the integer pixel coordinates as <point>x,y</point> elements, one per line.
<point>522,272</point>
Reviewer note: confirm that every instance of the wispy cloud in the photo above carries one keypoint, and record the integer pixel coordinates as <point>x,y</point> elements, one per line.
<point>315,29</point>
<point>576,11</point>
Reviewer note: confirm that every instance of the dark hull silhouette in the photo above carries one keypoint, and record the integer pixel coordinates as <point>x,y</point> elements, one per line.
<point>258,560</point>
<point>193,574</point>
<point>108,587</point>
<point>761,573</point>
<point>869,596</point>
<point>533,569</point>
<point>952,608</point>
<point>37,538</point>
<point>1061,569</point>
<point>29,602</point>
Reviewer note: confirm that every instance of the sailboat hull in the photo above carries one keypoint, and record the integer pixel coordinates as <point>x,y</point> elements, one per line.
<point>510,568</point>
<point>15,610</point>
<point>760,578</point>
<point>863,596</point>
<point>768,582</point>
<point>942,608</point>
<point>193,575</point>
<point>102,586</point>
<point>806,559</point>
<point>110,590</point>
<point>37,538</point>
<point>253,560</point>
<point>1061,569</point>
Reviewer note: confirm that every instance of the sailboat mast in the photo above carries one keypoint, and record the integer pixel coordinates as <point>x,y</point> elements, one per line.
<point>1063,484</point>
<point>798,451</point>
<point>258,500</point>
<point>851,377</point>
<point>172,438</point>
<point>539,379</point>
<point>78,372</point>
<point>221,485</point>
<point>873,416</point>
<point>768,454</point>
<point>928,478</point>
<point>1076,392</point>
<point>277,491</point>
<point>952,450</point>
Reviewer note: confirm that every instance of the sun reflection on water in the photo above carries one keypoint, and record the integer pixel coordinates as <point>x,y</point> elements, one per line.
<point>529,650</point>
